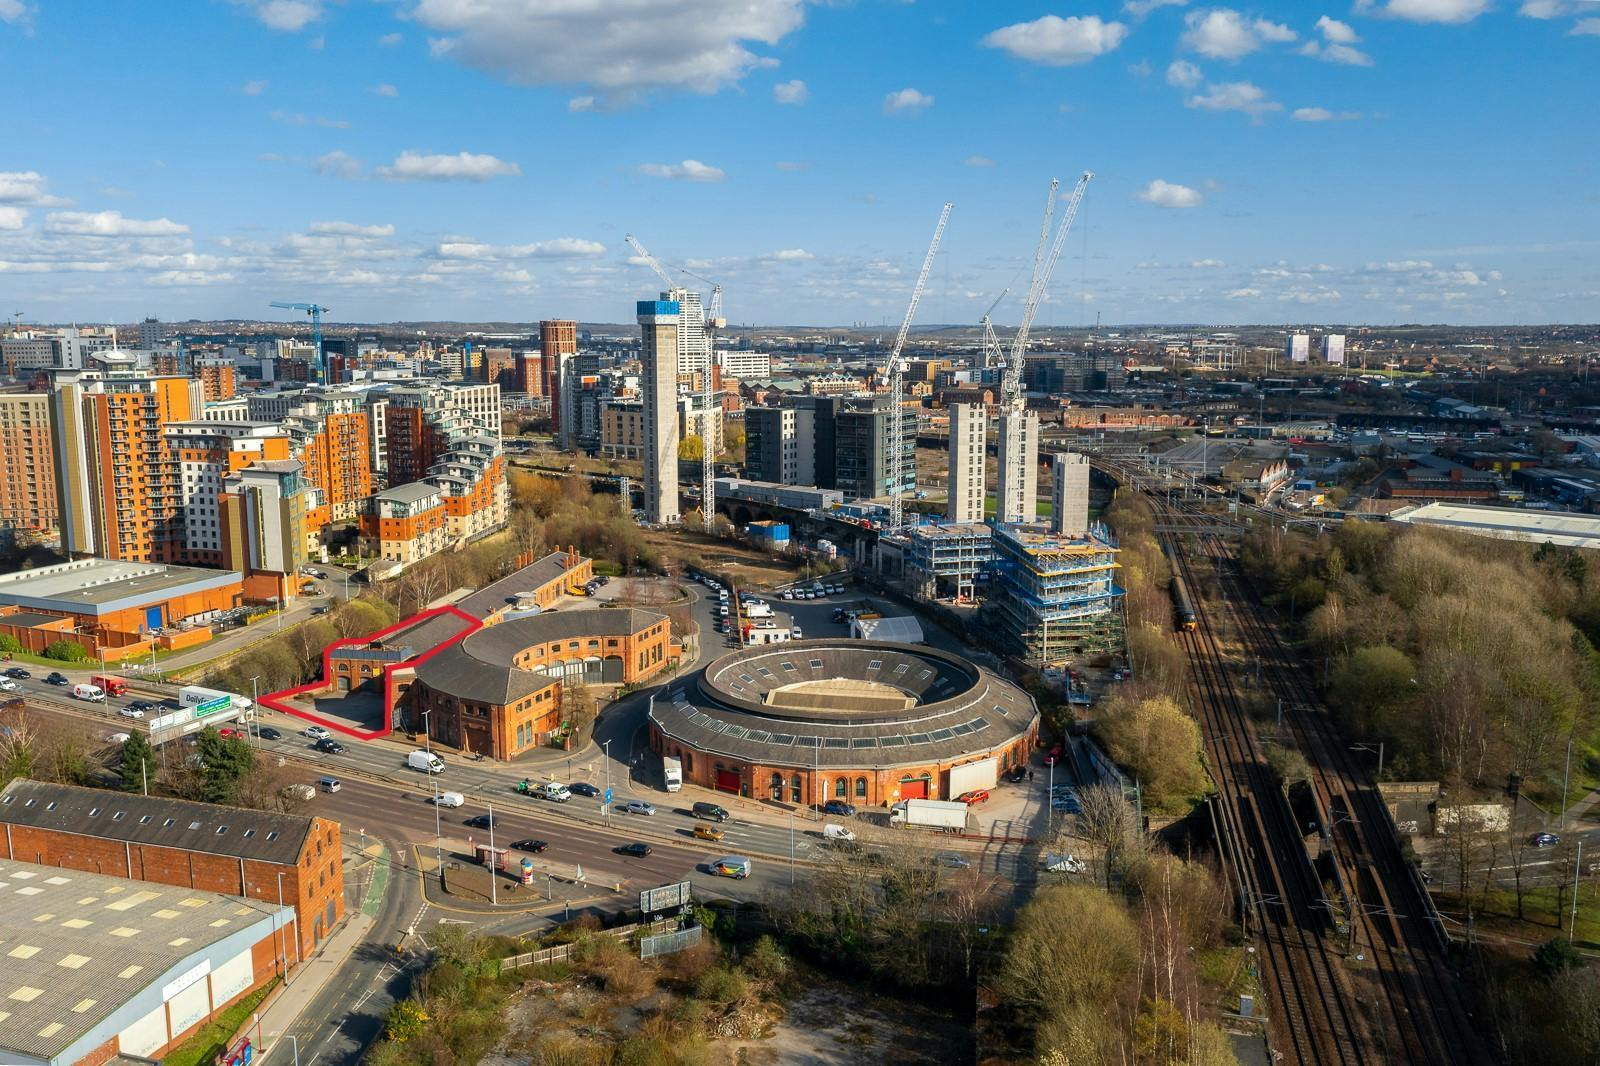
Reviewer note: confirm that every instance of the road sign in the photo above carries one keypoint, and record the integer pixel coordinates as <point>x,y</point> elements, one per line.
<point>659,900</point>
<point>608,797</point>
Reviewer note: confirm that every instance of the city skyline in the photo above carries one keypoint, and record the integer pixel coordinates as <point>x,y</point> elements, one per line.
<point>445,161</point>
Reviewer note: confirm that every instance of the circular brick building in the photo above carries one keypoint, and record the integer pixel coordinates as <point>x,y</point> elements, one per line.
<point>867,722</point>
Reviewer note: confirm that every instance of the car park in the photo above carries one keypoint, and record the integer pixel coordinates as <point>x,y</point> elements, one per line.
<point>950,860</point>
<point>530,844</point>
<point>316,732</point>
<point>329,746</point>
<point>638,807</point>
<point>130,711</point>
<point>637,850</point>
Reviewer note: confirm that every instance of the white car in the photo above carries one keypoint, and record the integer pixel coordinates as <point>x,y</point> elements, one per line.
<point>118,738</point>
<point>794,633</point>
<point>130,712</point>
<point>1061,864</point>
<point>315,732</point>
<point>7,685</point>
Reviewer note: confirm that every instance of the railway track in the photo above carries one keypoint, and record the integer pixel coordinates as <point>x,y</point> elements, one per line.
<point>1376,960</point>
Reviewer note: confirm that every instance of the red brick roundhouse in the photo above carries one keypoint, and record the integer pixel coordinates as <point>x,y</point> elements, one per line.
<point>868,722</point>
<point>290,859</point>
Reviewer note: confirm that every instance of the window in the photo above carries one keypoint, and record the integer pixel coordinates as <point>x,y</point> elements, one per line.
<point>841,787</point>
<point>794,789</point>
<point>777,787</point>
<point>861,788</point>
<point>221,829</point>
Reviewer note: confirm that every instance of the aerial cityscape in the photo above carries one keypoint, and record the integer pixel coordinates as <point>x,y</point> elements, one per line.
<point>763,532</point>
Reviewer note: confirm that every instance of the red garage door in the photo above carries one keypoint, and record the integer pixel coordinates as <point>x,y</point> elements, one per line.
<point>913,790</point>
<point>728,781</point>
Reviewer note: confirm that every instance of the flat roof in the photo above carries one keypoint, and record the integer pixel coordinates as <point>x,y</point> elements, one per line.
<point>80,946</point>
<point>1563,529</point>
<point>105,586</point>
<point>415,492</point>
<point>502,593</point>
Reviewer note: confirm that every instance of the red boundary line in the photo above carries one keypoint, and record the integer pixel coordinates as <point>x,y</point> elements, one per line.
<point>278,701</point>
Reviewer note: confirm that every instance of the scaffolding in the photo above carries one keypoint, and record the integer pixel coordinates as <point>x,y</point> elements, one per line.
<point>1056,596</point>
<point>948,560</point>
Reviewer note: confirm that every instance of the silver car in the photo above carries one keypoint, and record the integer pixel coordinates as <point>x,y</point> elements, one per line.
<point>638,807</point>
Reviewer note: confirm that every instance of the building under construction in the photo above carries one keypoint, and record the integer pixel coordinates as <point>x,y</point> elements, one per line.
<point>949,560</point>
<point>1055,596</point>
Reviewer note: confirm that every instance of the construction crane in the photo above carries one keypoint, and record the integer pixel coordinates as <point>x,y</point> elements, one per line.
<point>894,370</point>
<point>992,355</point>
<point>650,261</point>
<point>1044,266</point>
<point>708,460</point>
<point>316,311</point>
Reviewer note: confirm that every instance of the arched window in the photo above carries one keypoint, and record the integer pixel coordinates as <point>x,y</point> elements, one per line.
<point>777,787</point>
<point>861,788</point>
<point>688,762</point>
<point>841,787</point>
<point>794,789</point>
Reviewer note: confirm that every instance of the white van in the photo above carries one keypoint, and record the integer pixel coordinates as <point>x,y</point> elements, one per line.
<point>92,693</point>
<point>449,799</point>
<point>425,761</point>
<point>837,832</point>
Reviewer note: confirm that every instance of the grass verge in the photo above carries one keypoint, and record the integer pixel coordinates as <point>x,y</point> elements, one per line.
<point>202,1048</point>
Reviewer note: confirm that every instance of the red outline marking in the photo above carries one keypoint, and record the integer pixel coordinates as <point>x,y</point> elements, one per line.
<point>278,701</point>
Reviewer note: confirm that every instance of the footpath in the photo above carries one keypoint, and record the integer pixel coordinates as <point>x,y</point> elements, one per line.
<point>284,1009</point>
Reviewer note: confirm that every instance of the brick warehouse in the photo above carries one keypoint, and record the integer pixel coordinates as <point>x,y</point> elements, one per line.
<point>295,859</point>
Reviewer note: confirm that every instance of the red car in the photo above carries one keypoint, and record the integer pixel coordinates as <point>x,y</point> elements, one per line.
<point>228,733</point>
<point>977,795</point>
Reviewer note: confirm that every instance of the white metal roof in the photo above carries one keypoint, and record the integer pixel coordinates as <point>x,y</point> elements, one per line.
<point>1561,528</point>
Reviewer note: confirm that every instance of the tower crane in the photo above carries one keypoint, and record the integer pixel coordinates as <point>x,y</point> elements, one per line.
<point>894,370</point>
<point>1044,266</point>
<point>992,356</point>
<point>708,460</point>
<point>316,311</point>
<point>651,262</point>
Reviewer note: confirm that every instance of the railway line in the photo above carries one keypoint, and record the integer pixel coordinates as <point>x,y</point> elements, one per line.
<point>1358,971</point>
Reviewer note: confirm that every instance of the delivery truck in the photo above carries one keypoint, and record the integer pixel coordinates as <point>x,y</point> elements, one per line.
<point>195,695</point>
<point>672,773</point>
<point>929,814</point>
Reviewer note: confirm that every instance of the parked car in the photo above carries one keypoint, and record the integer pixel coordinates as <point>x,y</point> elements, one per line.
<point>58,679</point>
<point>1545,840</point>
<point>839,807</point>
<point>530,844</point>
<point>1017,773</point>
<point>638,807</point>
<point>975,796</point>
<point>329,746</point>
<point>583,788</point>
<point>19,673</point>
<point>315,732</point>
<point>636,850</point>
<point>952,861</point>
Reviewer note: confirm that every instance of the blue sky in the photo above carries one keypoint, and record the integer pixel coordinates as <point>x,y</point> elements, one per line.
<point>1394,161</point>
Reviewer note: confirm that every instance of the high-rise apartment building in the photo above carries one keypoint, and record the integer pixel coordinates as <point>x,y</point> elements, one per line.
<point>332,436</point>
<point>1297,348</point>
<point>27,468</point>
<point>20,354</point>
<point>264,521</point>
<point>746,366</point>
<point>207,453</point>
<point>833,442</point>
<point>658,326</point>
<point>118,482</point>
<point>498,367</point>
<point>1333,349</point>
<point>216,379</point>
<point>530,373</point>
<point>694,352</point>
<point>151,334</point>
<point>1017,480</point>
<point>557,337</point>
<point>779,445</point>
<point>969,428</point>
<point>1069,494</point>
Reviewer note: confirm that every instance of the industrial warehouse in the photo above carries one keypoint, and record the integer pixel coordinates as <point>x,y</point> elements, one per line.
<point>868,722</point>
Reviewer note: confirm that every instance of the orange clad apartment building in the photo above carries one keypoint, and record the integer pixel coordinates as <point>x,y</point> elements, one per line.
<point>27,473</point>
<point>335,447</point>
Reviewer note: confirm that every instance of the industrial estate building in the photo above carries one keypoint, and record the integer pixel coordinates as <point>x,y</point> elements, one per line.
<point>863,721</point>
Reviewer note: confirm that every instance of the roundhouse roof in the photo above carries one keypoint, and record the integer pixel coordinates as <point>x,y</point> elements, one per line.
<point>741,705</point>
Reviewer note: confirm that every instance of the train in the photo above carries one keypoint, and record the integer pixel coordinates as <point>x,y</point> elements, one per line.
<point>1183,606</point>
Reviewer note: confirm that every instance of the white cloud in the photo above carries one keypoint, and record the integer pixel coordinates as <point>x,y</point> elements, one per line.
<point>1235,96</point>
<point>619,47</point>
<point>289,16</point>
<point>582,103</point>
<point>1166,194</point>
<point>13,217</point>
<point>789,255</point>
<point>1322,114</point>
<point>389,40</point>
<point>1140,8</point>
<point>15,12</point>
<point>1550,9</point>
<point>295,118</point>
<point>792,166</point>
<point>1140,69</point>
<point>1585,28</point>
<point>463,249</point>
<point>110,224</point>
<point>463,166</point>
<point>688,170</point>
<point>1402,266</point>
<point>567,248</point>
<point>386,90</point>
<point>1337,32</point>
<point>1223,33</point>
<point>1184,74</point>
<point>1244,294</point>
<point>190,278</point>
<point>351,229</point>
<point>337,165</point>
<point>26,187</point>
<point>253,88</point>
<point>1207,264</point>
<point>1059,42</point>
<point>1453,12</point>
<point>790,92</point>
<point>906,102</point>
<point>978,161</point>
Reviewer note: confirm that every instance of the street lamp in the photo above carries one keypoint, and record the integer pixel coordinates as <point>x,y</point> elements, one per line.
<point>433,782</point>
<point>255,708</point>
<point>605,801</point>
<point>283,950</point>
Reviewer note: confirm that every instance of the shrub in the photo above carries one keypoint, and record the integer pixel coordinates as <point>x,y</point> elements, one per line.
<point>721,987</point>
<point>405,1020</point>
<point>67,651</point>
<point>1555,955</point>
<point>767,961</point>
<point>9,644</point>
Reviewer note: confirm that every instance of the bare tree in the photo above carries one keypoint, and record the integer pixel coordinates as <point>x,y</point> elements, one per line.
<point>1108,821</point>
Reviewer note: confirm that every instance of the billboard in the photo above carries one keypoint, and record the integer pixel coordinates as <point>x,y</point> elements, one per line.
<point>665,898</point>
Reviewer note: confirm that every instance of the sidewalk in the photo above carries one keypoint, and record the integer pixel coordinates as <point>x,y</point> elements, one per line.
<point>286,1008</point>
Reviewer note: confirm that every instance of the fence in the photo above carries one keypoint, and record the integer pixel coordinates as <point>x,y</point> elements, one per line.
<point>562,952</point>
<point>667,943</point>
